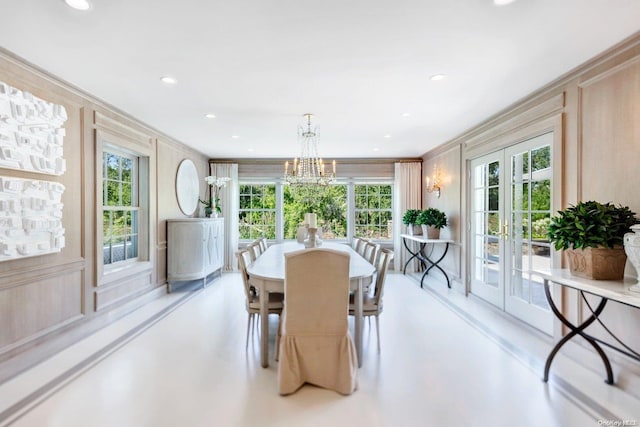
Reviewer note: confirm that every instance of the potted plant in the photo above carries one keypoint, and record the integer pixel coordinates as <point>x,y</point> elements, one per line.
<point>409,219</point>
<point>432,220</point>
<point>591,234</point>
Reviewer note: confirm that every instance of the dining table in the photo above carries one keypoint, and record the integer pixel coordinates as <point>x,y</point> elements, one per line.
<point>267,274</point>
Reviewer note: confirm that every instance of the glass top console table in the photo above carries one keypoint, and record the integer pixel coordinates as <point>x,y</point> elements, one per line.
<point>427,262</point>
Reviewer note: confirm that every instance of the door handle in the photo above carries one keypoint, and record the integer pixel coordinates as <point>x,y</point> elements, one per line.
<point>505,231</point>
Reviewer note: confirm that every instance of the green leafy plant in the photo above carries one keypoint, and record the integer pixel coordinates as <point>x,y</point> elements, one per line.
<point>410,216</point>
<point>591,224</point>
<point>432,217</point>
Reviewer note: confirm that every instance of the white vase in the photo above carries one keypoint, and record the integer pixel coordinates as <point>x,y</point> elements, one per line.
<point>632,249</point>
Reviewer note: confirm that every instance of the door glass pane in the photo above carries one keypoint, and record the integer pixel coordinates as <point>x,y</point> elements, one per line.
<point>492,274</point>
<point>530,216</point>
<point>541,158</point>
<point>494,173</point>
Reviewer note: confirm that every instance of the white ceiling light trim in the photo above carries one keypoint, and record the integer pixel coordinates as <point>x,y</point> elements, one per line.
<point>78,4</point>
<point>436,77</point>
<point>168,80</point>
<point>502,2</point>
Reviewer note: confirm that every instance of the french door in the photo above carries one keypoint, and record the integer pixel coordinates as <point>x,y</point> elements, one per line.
<point>510,210</point>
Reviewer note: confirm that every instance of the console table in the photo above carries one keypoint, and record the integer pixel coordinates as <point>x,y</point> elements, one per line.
<point>427,263</point>
<point>606,290</point>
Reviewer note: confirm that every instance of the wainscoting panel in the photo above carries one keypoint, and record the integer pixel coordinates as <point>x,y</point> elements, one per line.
<point>39,307</point>
<point>122,290</point>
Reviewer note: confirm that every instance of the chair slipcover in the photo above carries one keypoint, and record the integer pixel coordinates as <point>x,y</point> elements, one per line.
<point>316,346</point>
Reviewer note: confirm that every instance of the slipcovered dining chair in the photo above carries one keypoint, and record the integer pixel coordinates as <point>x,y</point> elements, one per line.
<point>316,346</point>
<point>252,302</point>
<point>372,304</point>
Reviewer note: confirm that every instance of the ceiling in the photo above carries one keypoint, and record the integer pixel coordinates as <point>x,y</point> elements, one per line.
<point>362,67</point>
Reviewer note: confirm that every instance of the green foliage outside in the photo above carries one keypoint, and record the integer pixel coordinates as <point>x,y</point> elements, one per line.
<point>328,203</point>
<point>118,192</point>
<point>257,211</point>
<point>373,210</point>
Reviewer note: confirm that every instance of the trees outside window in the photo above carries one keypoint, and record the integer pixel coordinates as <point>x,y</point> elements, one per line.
<point>120,210</point>
<point>373,211</point>
<point>275,211</point>
<point>257,215</point>
<point>329,203</point>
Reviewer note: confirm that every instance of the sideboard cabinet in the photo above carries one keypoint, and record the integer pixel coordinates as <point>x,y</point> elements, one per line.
<point>195,249</point>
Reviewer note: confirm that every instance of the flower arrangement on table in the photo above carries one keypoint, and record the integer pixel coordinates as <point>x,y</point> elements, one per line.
<point>213,203</point>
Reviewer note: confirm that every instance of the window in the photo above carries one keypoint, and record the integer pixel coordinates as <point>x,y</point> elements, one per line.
<point>329,203</point>
<point>275,210</point>
<point>257,211</point>
<point>120,207</point>
<point>373,211</point>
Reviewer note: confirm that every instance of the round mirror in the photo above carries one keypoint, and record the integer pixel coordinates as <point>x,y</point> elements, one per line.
<point>187,187</point>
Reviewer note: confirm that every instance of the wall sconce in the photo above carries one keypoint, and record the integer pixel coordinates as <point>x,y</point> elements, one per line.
<point>434,187</point>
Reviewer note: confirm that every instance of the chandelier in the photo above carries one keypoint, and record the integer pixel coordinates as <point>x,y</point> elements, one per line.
<point>309,169</point>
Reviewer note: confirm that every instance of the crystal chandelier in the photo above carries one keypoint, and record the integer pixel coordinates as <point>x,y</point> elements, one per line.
<point>310,169</point>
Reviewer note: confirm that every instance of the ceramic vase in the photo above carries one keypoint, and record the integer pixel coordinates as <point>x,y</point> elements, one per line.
<point>632,249</point>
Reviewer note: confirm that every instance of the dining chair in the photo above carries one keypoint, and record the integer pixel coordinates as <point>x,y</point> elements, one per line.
<point>372,304</point>
<point>254,250</point>
<point>371,252</point>
<point>362,244</point>
<point>263,244</point>
<point>354,243</point>
<point>316,346</point>
<point>252,302</point>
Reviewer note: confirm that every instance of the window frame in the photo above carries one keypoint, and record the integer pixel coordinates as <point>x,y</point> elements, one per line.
<point>112,273</point>
<point>277,215</point>
<point>350,183</point>
<point>356,210</point>
<point>135,199</point>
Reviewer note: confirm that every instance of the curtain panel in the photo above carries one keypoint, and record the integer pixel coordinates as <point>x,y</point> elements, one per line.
<point>229,199</point>
<point>407,195</point>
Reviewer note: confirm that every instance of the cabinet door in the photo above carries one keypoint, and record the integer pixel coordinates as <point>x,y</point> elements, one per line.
<point>210,246</point>
<point>185,252</point>
<point>215,245</point>
<point>219,253</point>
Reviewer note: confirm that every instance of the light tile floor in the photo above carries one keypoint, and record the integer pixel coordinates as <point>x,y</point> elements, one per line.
<point>190,369</point>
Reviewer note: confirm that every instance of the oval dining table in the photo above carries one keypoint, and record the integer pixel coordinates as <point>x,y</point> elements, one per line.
<point>267,273</point>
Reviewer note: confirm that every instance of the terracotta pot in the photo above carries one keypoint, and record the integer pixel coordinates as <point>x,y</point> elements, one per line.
<point>431,232</point>
<point>597,263</point>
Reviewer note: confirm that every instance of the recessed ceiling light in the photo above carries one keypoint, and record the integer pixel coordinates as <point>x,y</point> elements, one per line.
<point>210,116</point>
<point>502,2</point>
<point>387,136</point>
<point>168,80</point>
<point>376,149</point>
<point>437,77</point>
<point>406,114</point>
<point>78,4</point>
<point>250,150</point>
<point>235,136</point>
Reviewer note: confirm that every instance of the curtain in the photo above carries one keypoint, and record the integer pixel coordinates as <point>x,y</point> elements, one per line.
<point>407,190</point>
<point>229,199</point>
